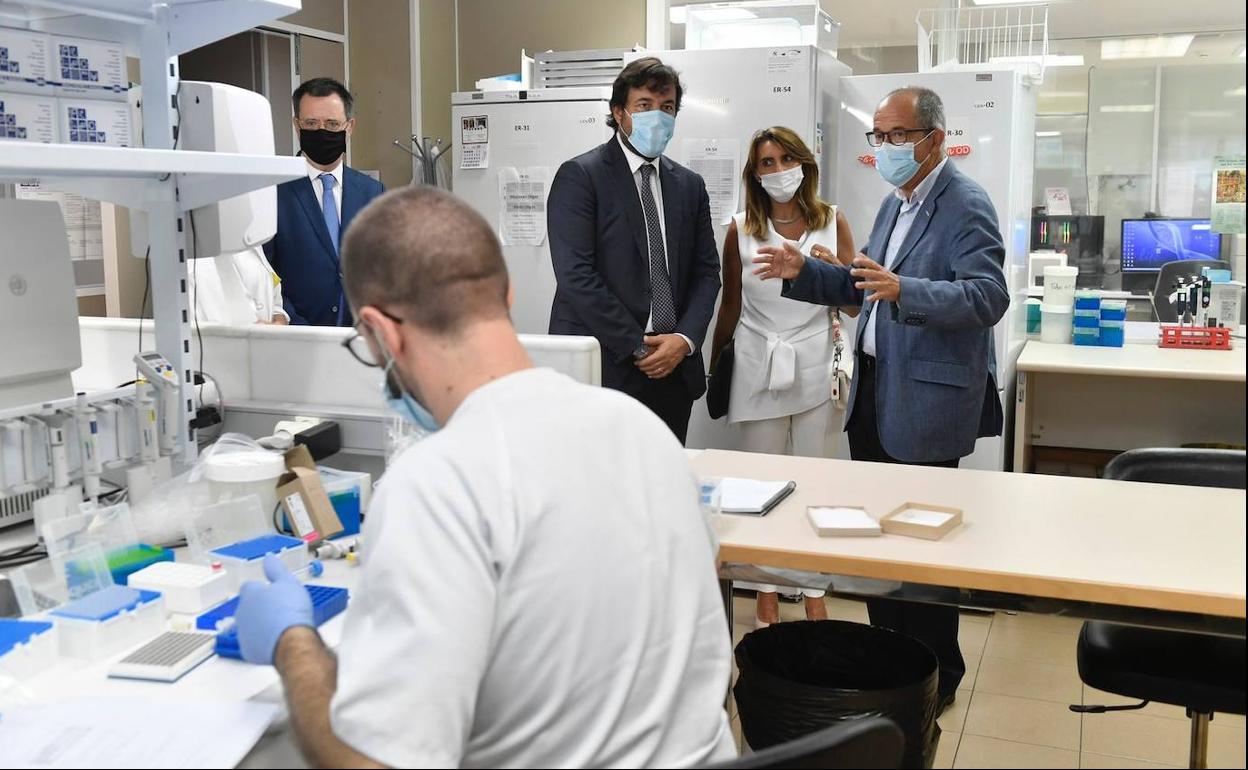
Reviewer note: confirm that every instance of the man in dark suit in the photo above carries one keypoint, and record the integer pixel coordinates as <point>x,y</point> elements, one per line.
<point>314,211</point>
<point>633,250</point>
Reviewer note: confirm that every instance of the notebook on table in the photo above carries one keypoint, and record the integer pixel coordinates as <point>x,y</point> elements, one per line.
<point>752,497</point>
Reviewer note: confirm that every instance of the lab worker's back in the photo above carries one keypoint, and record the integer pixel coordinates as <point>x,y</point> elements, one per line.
<point>538,590</point>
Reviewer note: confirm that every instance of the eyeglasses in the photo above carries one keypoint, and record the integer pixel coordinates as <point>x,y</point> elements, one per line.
<point>896,136</point>
<point>357,345</point>
<point>314,124</point>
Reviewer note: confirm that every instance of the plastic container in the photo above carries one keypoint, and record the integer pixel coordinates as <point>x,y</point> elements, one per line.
<point>244,560</point>
<point>1056,323</point>
<point>798,678</point>
<point>27,647</point>
<point>108,621</point>
<point>1114,310</point>
<point>1087,336</point>
<point>327,601</point>
<point>188,588</point>
<point>1033,317</point>
<point>349,493</point>
<point>1087,319</point>
<point>233,475</point>
<point>1086,299</point>
<point>125,562</point>
<point>1113,334</point>
<point>1059,285</point>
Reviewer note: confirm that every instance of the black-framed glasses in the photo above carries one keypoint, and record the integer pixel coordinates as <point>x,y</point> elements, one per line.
<point>897,136</point>
<point>359,348</point>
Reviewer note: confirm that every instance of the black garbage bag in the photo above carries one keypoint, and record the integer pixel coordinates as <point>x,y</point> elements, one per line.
<point>796,678</point>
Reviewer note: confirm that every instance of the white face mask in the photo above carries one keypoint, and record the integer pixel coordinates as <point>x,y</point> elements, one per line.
<point>782,185</point>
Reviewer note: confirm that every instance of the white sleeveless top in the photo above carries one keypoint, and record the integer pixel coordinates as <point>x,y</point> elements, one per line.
<point>783,347</point>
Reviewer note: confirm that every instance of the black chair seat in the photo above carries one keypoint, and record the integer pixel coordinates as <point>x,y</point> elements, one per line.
<point>1202,673</point>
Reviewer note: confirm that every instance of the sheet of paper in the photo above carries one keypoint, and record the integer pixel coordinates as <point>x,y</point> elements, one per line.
<point>718,162</point>
<point>1058,200</point>
<point>748,495</point>
<point>786,66</point>
<point>522,205</point>
<point>127,733</point>
<point>83,225</point>
<point>474,156</point>
<point>1228,194</point>
<point>923,517</point>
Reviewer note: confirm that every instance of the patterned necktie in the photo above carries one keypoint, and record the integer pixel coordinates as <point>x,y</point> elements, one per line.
<point>329,209</point>
<point>662,306</point>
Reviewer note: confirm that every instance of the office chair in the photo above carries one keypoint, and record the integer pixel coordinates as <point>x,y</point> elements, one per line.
<point>870,742</point>
<point>1201,673</point>
<point>1169,274</point>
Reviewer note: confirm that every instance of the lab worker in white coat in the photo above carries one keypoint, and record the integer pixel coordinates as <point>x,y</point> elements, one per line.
<point>236,289</point>
<point>514,606</point>
<point>785,352</point>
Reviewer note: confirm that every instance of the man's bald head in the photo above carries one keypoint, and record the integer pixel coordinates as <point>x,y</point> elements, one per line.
<point>913,107</point>
<point>423,255</point>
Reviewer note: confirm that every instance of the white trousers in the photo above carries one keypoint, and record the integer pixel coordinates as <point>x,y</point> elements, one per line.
<point>813,433</point>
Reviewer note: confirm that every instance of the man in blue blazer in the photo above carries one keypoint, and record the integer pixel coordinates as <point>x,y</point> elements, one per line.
<point>314,211</point>
<point>633,250</point>
<point>932,288</point>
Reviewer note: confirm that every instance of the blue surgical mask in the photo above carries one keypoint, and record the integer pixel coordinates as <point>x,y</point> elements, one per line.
<point>405,404</point>
<point>652,130</point>
<point>896,163</point>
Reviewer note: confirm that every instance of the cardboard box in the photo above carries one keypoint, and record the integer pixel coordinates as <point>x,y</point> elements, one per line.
<point>24,61</point>
<point>86,121</point>
<point>930,522</point>
<point>306,506</point>
<point>27,118</point>
<point>88,68</point>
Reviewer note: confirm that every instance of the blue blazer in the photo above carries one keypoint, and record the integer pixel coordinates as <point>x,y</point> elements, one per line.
<point>936,365</point>
<point>602,263</point>
<point>301,253</point>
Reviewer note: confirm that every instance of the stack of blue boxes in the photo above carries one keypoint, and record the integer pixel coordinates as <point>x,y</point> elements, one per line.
<point>1098,321</point>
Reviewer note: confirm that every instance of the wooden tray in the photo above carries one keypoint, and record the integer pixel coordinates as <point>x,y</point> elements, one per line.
<point>902,520</point>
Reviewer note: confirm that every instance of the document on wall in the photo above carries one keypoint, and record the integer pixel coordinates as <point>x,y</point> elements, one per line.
<point>522,205</point>
<point>115,732</point>
<point>718,162</point>
<point>83,225</point>
<point>1228,194</point>
<point>1057,200</point>
<point>474,142</point>
<point>786,66</point>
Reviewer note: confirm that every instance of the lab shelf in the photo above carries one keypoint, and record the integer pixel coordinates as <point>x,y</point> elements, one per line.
<point>126,175</point>
<point>189,23</point>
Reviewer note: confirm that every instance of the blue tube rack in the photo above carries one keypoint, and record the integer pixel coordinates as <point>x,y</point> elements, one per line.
<point>327,601</point>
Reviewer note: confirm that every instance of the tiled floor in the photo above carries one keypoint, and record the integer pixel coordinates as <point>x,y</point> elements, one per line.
<point>1012,708</point>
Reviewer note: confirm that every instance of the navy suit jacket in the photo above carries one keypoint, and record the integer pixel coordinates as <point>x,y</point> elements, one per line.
<point>936,363</point>
<point>303,256</point>
<point>602,262</point>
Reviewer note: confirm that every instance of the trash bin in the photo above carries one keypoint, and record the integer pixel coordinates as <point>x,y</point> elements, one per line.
<point>796,678</point>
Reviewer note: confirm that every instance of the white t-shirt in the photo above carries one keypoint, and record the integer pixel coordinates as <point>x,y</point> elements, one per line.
<point>235,289</point>
<point>538,590</point>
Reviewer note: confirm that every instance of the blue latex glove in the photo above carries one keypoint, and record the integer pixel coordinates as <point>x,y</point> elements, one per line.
<point>266,610</point>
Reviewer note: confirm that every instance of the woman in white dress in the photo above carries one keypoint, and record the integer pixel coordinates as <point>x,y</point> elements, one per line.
<point>781,394</point>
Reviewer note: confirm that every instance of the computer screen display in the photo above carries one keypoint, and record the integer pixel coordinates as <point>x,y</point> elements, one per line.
<point>1147,244</point>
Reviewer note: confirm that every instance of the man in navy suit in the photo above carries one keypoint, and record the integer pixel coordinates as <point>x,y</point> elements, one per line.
<point>314,211</point>
<point>932,289</point>
<point>633,250</point>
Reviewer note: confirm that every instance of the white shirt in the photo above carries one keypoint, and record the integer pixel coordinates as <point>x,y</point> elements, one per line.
<point>314,174</point>
<point>535,595</point>
<point>235,289</point>
<point>635,162</point>
<point>905,218</point>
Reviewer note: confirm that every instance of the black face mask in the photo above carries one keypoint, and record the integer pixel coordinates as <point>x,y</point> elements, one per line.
<point>321,146</point>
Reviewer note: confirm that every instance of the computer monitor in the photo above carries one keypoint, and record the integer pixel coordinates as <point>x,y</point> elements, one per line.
<point>1081,238</point>
<point>1147,244</point>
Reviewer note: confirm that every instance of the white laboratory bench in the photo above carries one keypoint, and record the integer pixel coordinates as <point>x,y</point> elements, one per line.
<point>1100,400</point>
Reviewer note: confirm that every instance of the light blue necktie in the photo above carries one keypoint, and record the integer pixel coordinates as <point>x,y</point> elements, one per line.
<point>330,212</point>
<point>329,209</point>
